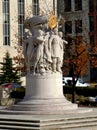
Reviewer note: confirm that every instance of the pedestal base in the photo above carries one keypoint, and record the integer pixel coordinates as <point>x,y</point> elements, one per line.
<point>44,95</point>
<point>44,106</point>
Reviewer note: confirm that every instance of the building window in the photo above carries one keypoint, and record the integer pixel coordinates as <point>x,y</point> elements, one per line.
<point>6,23</point>
<point>91,5</point>
<point>67,5</point>
<point>96,23</point>
<point>92,41</point>
<point>78,26</point>
<point>96,5</point>
<point>21,1</point>
<point>20,21</point>
<point>68,27</point>
<point>78,5</point>
<point>54,6</point>
<point>91,21</point>
<point>35,7</point>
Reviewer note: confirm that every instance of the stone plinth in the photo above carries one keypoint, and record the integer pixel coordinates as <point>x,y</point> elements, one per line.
<point>44,86</point>
<point>44,95</point>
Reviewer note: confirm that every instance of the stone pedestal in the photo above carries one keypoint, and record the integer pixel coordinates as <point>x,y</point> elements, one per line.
<point>44,95</point>
<point>44,86</point>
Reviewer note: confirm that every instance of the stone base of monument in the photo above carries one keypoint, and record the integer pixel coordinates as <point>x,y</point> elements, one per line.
<point>81,118</point>
<point>43,108</point>
<point>44,95</point>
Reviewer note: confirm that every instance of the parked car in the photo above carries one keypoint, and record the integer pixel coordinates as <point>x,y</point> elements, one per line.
<point>11,85</point>
<point>80,82</point>
<point>92,99</point>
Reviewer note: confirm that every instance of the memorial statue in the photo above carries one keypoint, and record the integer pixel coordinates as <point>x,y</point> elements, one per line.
<point>43,51</point>
<point>56,47</point>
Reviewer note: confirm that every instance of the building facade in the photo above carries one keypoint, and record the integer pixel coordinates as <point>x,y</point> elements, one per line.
<point>81,21</point>
<point>12,15</point>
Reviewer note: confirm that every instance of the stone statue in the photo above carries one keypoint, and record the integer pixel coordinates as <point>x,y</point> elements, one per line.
<point>27,51</point>
<point>62,46</point>
<point>37,56</point>
<point>47,51</point>
<point>43,51</point>
<point>33,50</point>
<point>33,45</point>
<point>56,51</point>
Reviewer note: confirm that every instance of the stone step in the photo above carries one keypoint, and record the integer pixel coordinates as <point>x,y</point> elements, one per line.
<point>49,107</point>
<point>16,121</point>
<point>43,111</point>
<point>72,123</point>
<point>83,128</point>
<point>50,124</point>
<point>19,124</point>
<point>18,127</point>
<point>70,119</point>
<point>62,122</point>
<point>70,126</point>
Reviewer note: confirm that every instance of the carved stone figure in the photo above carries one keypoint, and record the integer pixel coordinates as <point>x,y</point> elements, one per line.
<point>56,48</point>
<point>47,51</point>
<point>37,56</point>
<point>27,51</point>
<point>43,51</point>
<point>62,46</point>
<point>33,45</point>
<point>33,51</point>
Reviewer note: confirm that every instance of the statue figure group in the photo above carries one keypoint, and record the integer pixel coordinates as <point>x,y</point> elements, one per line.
<point>43,50</point>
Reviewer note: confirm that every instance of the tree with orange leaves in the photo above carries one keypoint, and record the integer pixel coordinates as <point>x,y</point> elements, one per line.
<point>76,61</point>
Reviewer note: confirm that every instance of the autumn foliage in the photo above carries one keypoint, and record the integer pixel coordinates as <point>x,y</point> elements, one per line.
<point>93,57</point>
<point>76,58</point>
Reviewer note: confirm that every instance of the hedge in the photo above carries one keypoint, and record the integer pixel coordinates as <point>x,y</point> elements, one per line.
<point>85,91</point>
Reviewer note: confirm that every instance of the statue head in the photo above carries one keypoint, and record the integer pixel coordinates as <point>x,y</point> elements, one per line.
<point>35,21</point>
<point>60,34</point>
